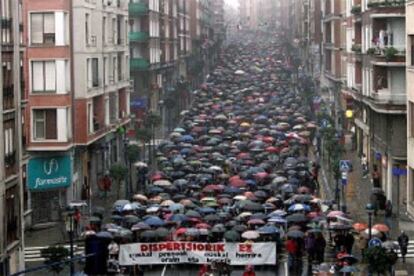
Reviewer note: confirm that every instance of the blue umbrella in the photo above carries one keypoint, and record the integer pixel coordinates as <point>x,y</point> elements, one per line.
<point>155,190</point>
<point>299,207</point>
<point>206,210</point>
<point>268,229</point>
<point>231,190</point>
<point>178,218</point>
<point>277,220</point>
<point>187,138</point>
<point>176,207</point>
<point>154,221</point>
<point>104,235</point>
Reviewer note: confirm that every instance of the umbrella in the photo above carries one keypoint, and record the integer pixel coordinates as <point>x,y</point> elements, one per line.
<point>140,226</point>
<point>277,220</point>
<point>148,234</point>
<point>295,234</point>
<point>298,207</point>
<point>250,235</point>
<point>391,245</point>
<point>154,221</point>
<point>268,229</point>
<point>360,226</point>
<point>232,236</point>
<point>192,214</point>
<point>131,219</point>
<point>349,269</point>
<point>239,228</point>
<point>140,197</point>
<point>334,214</point>
<point>162,232</point>
<point>104,235</point>
<point>256,222</point>
<point>374,232</point>
<point>218,228</point>
<point>162,183</point>
<point>297,217</point>
<point>121,203</point>
<point>178,218</point>
<point>381,227</point>
<point>94,219</point>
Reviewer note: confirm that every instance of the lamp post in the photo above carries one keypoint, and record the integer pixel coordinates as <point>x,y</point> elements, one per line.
<point>128,188</point>
<point>370,211</point>
<point>69,229</point>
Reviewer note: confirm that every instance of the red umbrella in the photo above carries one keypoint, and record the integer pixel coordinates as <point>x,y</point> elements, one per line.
<point>381,227</point>
<point>256,222</point>
<point>272,150</point>
<point>180,231</point>
<point>261,175</point>
<point>250,196</point>
<point>268,139</point>
<point>238,183</point>
<point>157,176</point>
<point>203,226</point>
<point>243,155</point>
<point>360,226</point>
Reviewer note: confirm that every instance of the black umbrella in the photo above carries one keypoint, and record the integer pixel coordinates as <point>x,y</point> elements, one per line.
<point>297,217</point>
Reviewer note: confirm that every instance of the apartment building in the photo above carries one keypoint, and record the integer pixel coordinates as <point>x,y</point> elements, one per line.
<point>376,88</point>
<point>12,155</point>
<point>76,68</point>
<point>409,23</point>
<point>249,17</point>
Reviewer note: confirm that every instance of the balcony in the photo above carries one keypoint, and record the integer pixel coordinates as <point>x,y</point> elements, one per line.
<point>138,37</point>
<point>139,64</point>
<point>385,96</point>
<point>137,9</point>
<point>386,3</point>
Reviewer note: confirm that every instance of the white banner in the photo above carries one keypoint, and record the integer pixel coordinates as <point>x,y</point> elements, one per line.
<point>197,253</point>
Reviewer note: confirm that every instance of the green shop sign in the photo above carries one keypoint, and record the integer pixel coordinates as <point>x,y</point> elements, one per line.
<point>46,173</point>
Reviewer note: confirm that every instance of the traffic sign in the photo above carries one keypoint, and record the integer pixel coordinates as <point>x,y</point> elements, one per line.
<point>374,242</point>
<point>345,165</point>
<point>344,178</point>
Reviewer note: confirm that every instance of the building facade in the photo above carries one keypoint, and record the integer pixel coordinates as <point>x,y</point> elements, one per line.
<point>409,23</point>
<point>376,89</point>
<point>13,158</point>
<point>76,68</point>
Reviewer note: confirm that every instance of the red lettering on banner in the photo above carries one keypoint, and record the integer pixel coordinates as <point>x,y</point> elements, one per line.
<point>220,247</point>
<point>162,246</point>
<point>200,247</point>
<point>245,248</point>
<point>176,246</point>
<point>144,247</point>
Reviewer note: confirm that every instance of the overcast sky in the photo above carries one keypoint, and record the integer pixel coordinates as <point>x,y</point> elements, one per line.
<point>234,3</point>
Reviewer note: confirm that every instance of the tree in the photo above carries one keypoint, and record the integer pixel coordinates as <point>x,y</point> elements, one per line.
<point>143,135</point>
<point>118,172</point>
<point>54,256</point>
<point>133,153</point>
<point>378,259</point>
<point>152,121</point>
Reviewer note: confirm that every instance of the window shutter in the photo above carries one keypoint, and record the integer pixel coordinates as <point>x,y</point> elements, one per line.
<point>50,76</point>
<point>95,75</point>
<point>37,76</point>
<point>49,23</point>
<point>51,124</point>
<point>36,28</point>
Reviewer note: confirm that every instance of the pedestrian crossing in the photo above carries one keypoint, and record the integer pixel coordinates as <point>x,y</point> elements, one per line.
<point>32,254</point>
<point>410,250</point>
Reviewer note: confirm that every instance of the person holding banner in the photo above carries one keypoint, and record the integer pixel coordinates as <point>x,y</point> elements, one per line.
<point>249,271</point>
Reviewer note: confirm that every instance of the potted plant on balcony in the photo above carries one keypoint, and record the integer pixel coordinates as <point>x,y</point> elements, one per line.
<point>371,51</point>
<point>356,48</point>
<point>390,53</point>
<point>356,9</point>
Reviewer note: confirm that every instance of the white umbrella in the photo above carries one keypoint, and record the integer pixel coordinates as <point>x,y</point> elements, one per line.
<point>251,235</point>
<point>239,72</point>
<point>162,183</point>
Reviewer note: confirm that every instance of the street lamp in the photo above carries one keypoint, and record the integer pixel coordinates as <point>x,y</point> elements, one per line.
<point>69,228</point>
<point>370,211</point>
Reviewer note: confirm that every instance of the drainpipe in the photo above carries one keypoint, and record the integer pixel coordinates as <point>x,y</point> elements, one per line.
<point>18,122</point>
<point>2,184</point>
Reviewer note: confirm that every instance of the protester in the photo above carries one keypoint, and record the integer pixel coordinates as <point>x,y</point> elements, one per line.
<point>292,248</point>
<point>320,244</point>
<point>249,271</point>
<point>376,177</point>
<point>364,164</point>
<point>403,241</point>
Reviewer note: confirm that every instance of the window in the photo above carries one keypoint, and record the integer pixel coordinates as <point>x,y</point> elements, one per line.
<point>44,124</point>
<point>105,71</point>
<point>90,118</point>
<point>104,30</point>
<point>43,76</point>
<point>11,212</point>
<point>114,37</point>
<point>87,28</point>
<point>42,28</point>
<point>411,113</point>
<point>412,49</point>
<point>92,72</point>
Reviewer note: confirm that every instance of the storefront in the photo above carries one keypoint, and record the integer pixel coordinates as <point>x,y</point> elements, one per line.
<point>48,179</point>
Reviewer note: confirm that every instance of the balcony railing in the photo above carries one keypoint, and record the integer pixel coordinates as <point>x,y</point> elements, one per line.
<point>139,64</point>
<point>386,3</point>
<point>137,9</point>
<point>385,96</point>
<point>138,37</point>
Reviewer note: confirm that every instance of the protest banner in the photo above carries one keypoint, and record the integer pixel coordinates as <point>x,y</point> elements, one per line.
<point>197,253</point>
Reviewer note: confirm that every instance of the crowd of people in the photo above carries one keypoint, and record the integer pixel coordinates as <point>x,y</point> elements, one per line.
<point>237,169</point>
